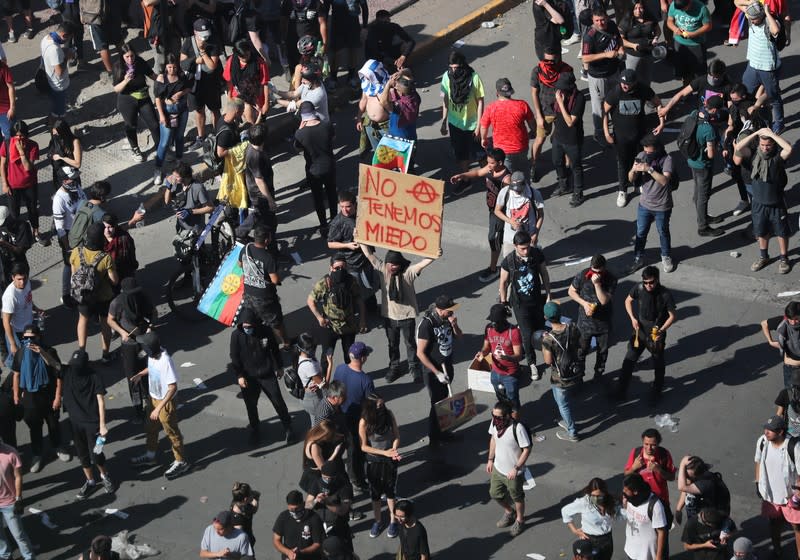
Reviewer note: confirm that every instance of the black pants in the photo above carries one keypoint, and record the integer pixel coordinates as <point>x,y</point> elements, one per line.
<point>702,192</point>
<point>602,351</point>
<point>575,155</point>
<point>322,188</point>
<point>71,13</point>
<point>406,327</point>
<point>436,391</point>
<point>632,356</point>
<point>83,436</point>
<point>604,545</point>
<point>530,318</point>
<point>29,197</point>
<point>626,153</point>
<point>8,419</point>
<point>329,339</point>
<point>736,175</point>
<point>270,387</point>
<point>356,465</point>
<point>131,365</point>
<point>131,109</point>
<point>38,409</point>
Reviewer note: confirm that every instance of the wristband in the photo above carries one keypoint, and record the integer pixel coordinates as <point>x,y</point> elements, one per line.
<point>491,459</point>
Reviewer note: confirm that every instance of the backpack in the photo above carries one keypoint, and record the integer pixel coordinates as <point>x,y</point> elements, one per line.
<point>528,431</point>
<point>566,364</point>
<point>293,382</point>
<point>233,23</point>
<point>651,504</point>
<point>209,156</point>
<point>92,11</point>
<point>84,217</point>
<point>687,137</point>
<point>792,443</point>
<point>780,40</point>
<point>84,281</point>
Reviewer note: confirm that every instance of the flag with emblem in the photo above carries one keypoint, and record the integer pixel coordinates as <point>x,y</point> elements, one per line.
<point>223,297</point>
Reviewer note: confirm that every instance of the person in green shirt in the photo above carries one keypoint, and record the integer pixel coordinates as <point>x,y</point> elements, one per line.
<point>462,108</point>
<point>702,165</point>
<point>689,20</point>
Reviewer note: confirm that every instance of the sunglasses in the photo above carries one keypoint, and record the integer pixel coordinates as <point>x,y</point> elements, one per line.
<point>649,282</point>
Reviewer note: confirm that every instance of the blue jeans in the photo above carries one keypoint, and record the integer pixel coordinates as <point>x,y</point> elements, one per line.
<point>644,218</point>
<point>510,384</point>
<point>562,401</point>
<point>170,135</point>
<point>5,126</point>
<point>787,375</point>
<point>14,523</point>
<point>753,78</point>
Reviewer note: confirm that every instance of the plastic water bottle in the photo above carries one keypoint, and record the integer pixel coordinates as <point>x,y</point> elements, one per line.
<point>141,211</point>
<point>98,445</point>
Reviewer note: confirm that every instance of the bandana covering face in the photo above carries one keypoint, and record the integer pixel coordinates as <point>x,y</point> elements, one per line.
<point>373,77</point>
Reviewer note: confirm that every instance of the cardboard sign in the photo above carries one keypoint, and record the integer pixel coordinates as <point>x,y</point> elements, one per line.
<point>455,410</point>
<point>399,211</point>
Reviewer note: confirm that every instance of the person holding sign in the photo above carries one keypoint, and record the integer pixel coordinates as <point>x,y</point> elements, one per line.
<point>435,335</point>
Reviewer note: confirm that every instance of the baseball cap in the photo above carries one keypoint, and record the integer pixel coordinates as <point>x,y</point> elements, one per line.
<point>503,87</point>
<point>150,344</point>
<point>628,77</point>
<point>224,518</point>
<point>446,303</point>
<point>4,213</point>
<point>552,310</point>
<point>202,27</point>
<point>359,350</point>
<point>775,424</point>
<point>308,112</point>
<point>498,313</point>
<point>583,547</point>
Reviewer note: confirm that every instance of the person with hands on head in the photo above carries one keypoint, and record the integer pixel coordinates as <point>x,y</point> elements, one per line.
<point>222,540</point>
<point>11,505</point>
<point>436,334</point>
<point>401,99</point>
<point>598,510</point>
<point>788,330</point>
<point>298,532</point>
<point>700,488</point>
<point>84,402</point>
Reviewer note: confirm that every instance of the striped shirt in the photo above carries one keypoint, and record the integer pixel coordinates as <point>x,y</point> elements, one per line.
<point>761,51</point>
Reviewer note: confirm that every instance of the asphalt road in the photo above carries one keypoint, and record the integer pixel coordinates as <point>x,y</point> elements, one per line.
<point>722,378</point>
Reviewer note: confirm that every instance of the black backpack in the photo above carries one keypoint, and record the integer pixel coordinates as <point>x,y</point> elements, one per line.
<point>566,363</point>
<point>209,156</point>
<point>687,137</point>
<point>780,40</point>
<point>293,382</point>
<point>514,425</point>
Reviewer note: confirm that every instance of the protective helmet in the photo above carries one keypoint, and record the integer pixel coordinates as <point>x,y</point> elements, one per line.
<point>306,45</point>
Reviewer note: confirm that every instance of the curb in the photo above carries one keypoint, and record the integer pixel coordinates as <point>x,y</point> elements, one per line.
<point>463,26</point>
<point>402,6</point>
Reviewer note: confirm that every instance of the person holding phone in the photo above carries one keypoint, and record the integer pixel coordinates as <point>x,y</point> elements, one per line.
<point>503,341</point>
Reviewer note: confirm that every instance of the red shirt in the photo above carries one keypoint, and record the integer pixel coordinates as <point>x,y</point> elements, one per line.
<point>657,483</point>
<point>503,343</point>
<point>6,78</point>
<point>507,119</point>
<point>17,176</point>
<point>262,78</point>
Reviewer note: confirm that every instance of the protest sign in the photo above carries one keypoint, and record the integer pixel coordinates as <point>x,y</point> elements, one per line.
<point>399,211</point>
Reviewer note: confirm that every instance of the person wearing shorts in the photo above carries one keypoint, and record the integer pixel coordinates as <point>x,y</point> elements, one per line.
<point>200,57</point>
<point>91,252</point>
<point>106,33</point>
<point>8,9</point>
<point>509,448</point>
<point>776,475</point>
<point>543,94</point>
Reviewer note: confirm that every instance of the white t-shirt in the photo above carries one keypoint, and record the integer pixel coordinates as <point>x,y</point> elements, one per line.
<point>641,539</point>
<point>774,464</point>
<point>53,55</point>
<point>306,369</point>
<point>19,304</point>
<point>161,374</point>
<point>521,206</point>
<point>318,96</point>
<point>64,208</point>
<point>506,450</point>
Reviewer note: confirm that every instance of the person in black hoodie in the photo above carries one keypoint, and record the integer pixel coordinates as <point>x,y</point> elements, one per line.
<point>83,396</point>
<point>255,357</point>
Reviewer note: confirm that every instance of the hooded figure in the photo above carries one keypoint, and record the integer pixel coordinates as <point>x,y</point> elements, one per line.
<point>394,285</point>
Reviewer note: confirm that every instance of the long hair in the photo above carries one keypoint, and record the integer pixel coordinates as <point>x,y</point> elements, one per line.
<point>65,138</point>
<point>325,431</point>
<point>375,414</point>
<point>610,503</point>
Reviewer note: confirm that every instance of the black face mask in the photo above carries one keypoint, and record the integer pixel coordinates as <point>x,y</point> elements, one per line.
<point>637,500</point>
<point>650,158</point>
<point>338,276</point>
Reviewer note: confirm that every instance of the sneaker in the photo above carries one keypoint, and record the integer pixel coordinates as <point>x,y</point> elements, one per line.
<point>88,488</point>
<point>561,190</point>
<point>714,219</point>
<point>63,455</point>
<point>536,375</point>
<point>288,436</point>
<point>709,231</point>
<point>741,208</point>
<point>516,529</point>
<point>564,50</point>
<point>36,464</point>
<point>576,200</point>
<point>562,424</point>
<point>571,40</point>
<point>158,178</point>
<point>29,33</point>
<point>73,63</point>
<point>196,145</point>
<point>506,520</point>
<point>376,529</point>
<point>584,75</point>
<point>146,460</point>
<point>622,199</point>
<point>566,436</point>
<point>635,265</point>
<point>43,241</point>
<point>12,37</point>
<point>488,275</point>
<point>666,264</point>
<point>176,469</point>
<point>393,529</point>
<point>137,156</point>
<point>108,484</point>
<point>783,266</point>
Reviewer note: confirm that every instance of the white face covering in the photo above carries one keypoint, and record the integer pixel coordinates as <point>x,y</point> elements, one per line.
<point>203,35</point>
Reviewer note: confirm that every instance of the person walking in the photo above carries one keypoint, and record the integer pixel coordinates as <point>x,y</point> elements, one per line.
<point>413,535</point>
<point>314,380</point>
<point>436,334</point>
<point>17,308</point>
<point>84,402</point>
<point>602,51</point>
<point>11,505</point>
<point>654,316</point>
<point>593,290</point>
<point>503,342</point>
<point>560,355</point>
<point>162,383</point>
<point>55,57</point>
<point>521,208</point>
<point>511,121</point>
<point>133,100</point>
<point>509,449</point>
<point>568,137</point>
<point>200,57</point>
<point>398,307</point>
<point>256,363</point>
<point>598,510</point>
<point>261,281</point>
<point>315,139</point>
<point>544,77</point>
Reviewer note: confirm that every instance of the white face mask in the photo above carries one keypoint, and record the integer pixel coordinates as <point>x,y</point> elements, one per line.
<point>203,35</point>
